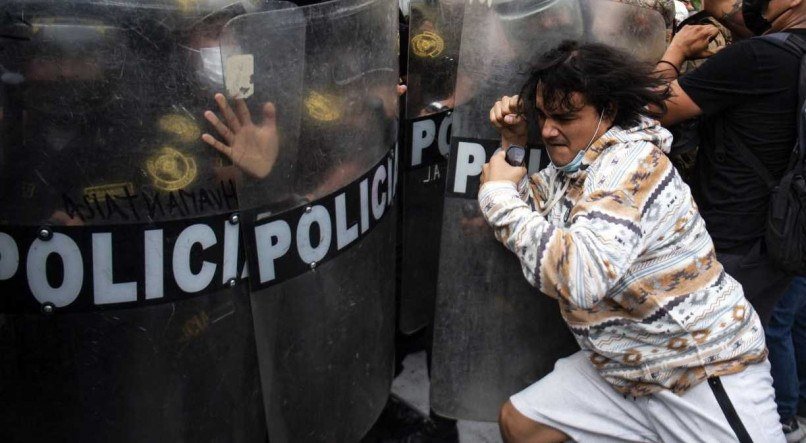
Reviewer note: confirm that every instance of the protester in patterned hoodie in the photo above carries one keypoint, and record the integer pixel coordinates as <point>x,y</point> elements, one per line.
<point>611,231</point>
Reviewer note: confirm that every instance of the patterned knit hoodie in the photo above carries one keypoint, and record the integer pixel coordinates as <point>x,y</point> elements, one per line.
<point>627,256</point>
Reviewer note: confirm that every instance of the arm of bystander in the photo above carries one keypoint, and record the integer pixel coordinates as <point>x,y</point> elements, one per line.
<point>691,42</point>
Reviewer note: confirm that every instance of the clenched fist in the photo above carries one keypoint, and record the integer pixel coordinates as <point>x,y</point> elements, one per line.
<point>507,118</point>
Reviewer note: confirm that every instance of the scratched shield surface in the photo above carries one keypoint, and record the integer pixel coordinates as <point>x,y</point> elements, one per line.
<point>434,35</point>
<point>494,334</point>
<point>122,314</point>
<point>321,251</point>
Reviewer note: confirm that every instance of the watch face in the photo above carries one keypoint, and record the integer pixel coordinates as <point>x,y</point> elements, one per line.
<point>516,155</point>
<point>435,107</point>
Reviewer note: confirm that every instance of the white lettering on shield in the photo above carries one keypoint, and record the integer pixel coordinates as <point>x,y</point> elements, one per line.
<point>55,268</point>
<point>273,241</point>
<point>344,235</point>
<point>378,198</point>
<point>9,256</point>
<point>103,282</point>
<point>186,279</point>
<point>364,205</point>
<point>155,264</point>
<point>423,133</point>
<point>470,158</point>
<point>307,252</point>
<point>72,265</point>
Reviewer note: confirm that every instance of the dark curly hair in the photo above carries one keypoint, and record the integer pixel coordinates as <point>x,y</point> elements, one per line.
<point>611,80</point>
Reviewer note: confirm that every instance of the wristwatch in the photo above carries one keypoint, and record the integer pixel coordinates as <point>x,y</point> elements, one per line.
<point>435,107</point>
<point>516,155</point>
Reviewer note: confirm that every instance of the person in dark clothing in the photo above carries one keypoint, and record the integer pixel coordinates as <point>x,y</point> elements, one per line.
<point>746,94</point>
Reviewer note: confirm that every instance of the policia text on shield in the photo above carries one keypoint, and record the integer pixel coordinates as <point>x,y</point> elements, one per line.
<point>154,289</point>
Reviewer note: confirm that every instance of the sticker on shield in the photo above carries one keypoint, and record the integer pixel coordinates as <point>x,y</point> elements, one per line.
<point>238,73</point>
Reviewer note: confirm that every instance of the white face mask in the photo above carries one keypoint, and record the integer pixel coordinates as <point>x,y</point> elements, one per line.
<point>211,72</point>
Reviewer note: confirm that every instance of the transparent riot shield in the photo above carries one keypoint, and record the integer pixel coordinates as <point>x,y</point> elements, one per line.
<point>636,30</point>
<point>494,334</point>
<point>122,314</point>
<point>434,37</point>
<point>321,257</point>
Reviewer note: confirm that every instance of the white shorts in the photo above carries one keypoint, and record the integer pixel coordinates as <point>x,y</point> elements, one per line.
<point>575,399</point>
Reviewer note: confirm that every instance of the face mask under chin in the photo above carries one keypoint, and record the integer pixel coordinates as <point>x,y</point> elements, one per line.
<point>576,162</point>
<point>573,165</point>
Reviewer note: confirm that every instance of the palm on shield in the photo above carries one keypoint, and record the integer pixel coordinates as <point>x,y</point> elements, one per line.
<point>123,316</point>
<point>321,255</point>
<point>434,36</point>
<point>494,333</point>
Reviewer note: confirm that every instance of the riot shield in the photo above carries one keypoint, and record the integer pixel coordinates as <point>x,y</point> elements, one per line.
<point>493,333</point>
<point>321,258</point>
<point>434,36</point>
<point>639,31</point>
<point>122,314</point>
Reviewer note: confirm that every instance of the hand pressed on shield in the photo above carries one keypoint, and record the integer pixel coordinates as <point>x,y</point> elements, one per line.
<point>506,116</point>
<point>499,170</point>
<point>252,148</point>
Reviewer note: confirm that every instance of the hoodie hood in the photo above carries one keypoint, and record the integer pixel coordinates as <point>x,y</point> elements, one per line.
<point>547,184</point>
<point>647,130</point>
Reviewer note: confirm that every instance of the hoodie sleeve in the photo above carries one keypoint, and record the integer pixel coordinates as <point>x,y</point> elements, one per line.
<point>524,188</point>
<point>583,261</point>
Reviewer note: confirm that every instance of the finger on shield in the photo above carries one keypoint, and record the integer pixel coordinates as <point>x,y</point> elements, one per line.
<point>269,115</point>
<point>219,126</point>
<point>243,111</point>
<point>229,116</point>
<point>215,143</point>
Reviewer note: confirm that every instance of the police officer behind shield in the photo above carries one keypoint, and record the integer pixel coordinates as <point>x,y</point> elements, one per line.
<point>670,346</point>
<point>252,146</point>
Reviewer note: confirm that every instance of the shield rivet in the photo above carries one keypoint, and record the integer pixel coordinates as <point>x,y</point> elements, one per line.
<point>231,283</point>
<point>234,219</point>
<point>48,308</point>
<point>308,209</point>
<point>313,265</point>
<point>45,234</point>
